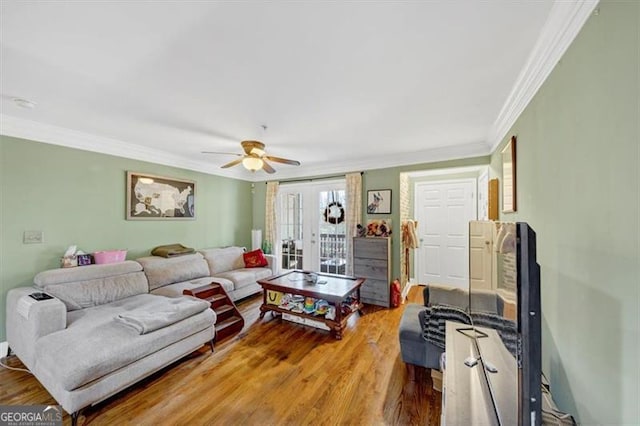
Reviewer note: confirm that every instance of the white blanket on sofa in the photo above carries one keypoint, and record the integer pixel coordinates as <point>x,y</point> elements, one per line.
<point>170,311</point>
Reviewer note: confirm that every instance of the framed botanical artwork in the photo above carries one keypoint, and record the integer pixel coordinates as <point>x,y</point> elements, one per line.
<point>151,197</point>
<point>379,201</point>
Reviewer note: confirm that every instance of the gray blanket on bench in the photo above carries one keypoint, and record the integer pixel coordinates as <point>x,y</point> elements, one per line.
<point>171,311</point>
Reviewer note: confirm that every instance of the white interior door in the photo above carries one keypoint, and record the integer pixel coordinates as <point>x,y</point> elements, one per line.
<point>480,254</point>
<point>443,211</point>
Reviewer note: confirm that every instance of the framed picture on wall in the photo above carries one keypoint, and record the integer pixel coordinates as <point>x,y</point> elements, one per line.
<point>379,201</point>
<point>151,197</point>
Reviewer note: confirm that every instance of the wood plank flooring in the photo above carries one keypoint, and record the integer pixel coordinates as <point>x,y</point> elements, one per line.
<point>273,372</point>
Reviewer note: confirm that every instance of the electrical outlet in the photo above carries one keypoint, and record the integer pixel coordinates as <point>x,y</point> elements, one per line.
<point>33,237</point>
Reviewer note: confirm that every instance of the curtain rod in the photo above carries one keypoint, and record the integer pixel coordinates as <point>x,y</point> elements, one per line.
<point>313,179</point>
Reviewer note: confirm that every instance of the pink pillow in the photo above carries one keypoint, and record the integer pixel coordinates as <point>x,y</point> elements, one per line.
<point>255,259</point>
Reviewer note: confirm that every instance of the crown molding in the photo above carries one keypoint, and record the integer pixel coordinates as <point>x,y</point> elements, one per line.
<point>563,24</point>
<point>456,152</point>
<point>40,132</point>
<point>55,135</point>
<point>448,171</point>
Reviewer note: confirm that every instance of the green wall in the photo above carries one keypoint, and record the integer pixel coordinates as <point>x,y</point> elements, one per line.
<point>578,185</point>
<point>388,178</point>
<point>78,197</point>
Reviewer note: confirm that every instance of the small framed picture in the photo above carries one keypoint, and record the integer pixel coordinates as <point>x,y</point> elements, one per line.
<point>379,201</point>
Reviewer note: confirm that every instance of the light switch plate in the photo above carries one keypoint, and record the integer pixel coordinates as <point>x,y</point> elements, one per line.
<point>33,237</point>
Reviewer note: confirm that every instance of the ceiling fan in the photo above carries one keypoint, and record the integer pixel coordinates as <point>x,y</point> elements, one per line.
<point>254,157</point>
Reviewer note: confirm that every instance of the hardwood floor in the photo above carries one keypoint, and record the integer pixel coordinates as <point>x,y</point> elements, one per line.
<point>273,372</point>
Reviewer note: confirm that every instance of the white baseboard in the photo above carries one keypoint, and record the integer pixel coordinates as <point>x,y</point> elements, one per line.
<point>4,348</point>
<point>405,292</point>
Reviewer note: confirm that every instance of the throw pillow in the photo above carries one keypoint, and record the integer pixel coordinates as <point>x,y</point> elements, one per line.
<point>255,259</point>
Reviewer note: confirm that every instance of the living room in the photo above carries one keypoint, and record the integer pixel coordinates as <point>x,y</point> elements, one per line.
<point>577,186</point>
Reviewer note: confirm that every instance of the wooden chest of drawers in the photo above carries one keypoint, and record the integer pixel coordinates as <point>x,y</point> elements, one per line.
<point>372,260</point>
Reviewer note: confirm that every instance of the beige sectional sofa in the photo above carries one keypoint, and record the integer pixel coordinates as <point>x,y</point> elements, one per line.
<point>77,345</point>
<point>108,326</point>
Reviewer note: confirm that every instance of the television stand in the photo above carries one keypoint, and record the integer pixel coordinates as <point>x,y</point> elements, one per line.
<point>466,397</point>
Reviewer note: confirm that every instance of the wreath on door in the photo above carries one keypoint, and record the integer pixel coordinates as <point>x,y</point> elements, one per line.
<point>334,213</point>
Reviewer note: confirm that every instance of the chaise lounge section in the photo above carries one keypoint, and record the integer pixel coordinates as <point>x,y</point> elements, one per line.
<point>102,331</point>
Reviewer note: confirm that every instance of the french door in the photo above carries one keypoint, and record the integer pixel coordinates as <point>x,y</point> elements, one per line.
<point>311,226</point>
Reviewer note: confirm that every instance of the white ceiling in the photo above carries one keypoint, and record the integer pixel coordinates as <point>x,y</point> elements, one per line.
<point>341,86</point>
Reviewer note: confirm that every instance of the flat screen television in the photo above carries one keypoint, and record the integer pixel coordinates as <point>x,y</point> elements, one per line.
<point>504,306</point>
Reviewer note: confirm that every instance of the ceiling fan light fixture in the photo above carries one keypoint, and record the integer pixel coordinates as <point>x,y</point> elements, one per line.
<point>257,151</point>
<point>252,163</point>
<point>254,158</point>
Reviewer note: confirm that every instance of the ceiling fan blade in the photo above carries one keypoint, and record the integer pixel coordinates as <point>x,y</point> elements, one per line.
<point>282,160</point>
<point>267,167</point>
<point>222,153</point>
<point>232,163</point>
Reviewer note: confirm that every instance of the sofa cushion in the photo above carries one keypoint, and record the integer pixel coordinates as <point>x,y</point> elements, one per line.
<point>87,286</point>
<point>223,259</point>
<point>85,294</point>
<point>176,289</point>
<point>255,259</point>
<point>94,344</point>
<point>161,271</point>
<point>85,273</point>
<point>244,277</point>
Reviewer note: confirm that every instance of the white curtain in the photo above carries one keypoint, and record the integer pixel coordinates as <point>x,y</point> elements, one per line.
<point>271,232</point>
<point>404,216</point>
<point>353,213</point>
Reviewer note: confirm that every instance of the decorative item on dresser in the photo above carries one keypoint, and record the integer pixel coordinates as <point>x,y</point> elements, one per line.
<point>371,260</point>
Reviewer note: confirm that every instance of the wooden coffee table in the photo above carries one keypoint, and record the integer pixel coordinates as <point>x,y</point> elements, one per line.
<point>330,287</point>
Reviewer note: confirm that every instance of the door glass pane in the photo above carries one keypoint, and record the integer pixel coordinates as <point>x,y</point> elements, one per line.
<point>332,242</point>
<point>291,230</point>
